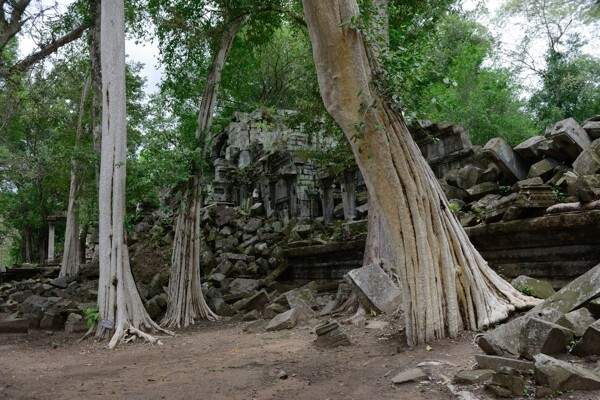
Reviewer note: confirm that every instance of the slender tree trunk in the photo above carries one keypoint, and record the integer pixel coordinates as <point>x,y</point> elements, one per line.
<point>121,309</point>
<point>186,302</point>
<point>70,261</point>
<point>446,284</point>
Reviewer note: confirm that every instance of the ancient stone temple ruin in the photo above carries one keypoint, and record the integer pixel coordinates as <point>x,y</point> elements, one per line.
<point>257,160</point>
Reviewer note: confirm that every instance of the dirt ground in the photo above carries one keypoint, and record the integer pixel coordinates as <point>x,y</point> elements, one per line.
<point>220,361</point>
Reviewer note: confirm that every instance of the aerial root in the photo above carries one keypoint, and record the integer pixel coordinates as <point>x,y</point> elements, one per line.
<point>132,334</point>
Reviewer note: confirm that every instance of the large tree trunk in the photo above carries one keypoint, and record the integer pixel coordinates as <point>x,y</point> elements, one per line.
<point>186,302</point>
<point>119,303</point>
<point>446,284</point>
<point>70,261</point>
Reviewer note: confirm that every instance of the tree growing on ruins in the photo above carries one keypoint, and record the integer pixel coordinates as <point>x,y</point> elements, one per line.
<point>121,311</point>
<point>446,284</point>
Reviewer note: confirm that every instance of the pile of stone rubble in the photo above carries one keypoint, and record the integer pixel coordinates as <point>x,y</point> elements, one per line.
<point>505,183</point>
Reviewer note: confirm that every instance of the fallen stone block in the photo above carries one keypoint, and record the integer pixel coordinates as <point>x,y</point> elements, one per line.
<point>543,169</point>
<point>561,375</point>
<point>482,189</point>
<point>60,283</point>
<point>52,321</point>
<point>590,342</point>
<point>566,140</point>
<point>470,377</point>
<point>255,326</point>
<point>511,380</point>
<point>592,127</point>
<point>588,162</point>
<point>533,287</point>
<point>594,307</point>
<point>375,289</point>
<point>413,374</point>
<point>468,176</point>
<point>243,285</point>
<point>528,150</point>
<point>577,321</point>
<point>588,188</point>
<point>14,325</point>
<point>535,196</point>
<point>331,334</point>
<point>541,336</point>
<point>287,320</point>
<point>496,363</point>
<point>255,302</point>
<point>499,152</point>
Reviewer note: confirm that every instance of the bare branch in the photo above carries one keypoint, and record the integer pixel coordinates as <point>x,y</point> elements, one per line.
<point>44,52</point>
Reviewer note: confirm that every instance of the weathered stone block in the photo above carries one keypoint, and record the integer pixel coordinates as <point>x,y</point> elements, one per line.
<point>541,336</point>
<point>376,289</point>
<point>561,375</point>
<point>511,380</point>
<point>287,320</point>
<point>255,302</point>
<point>592,127</point>
<point>535,196</point>
<point>243,285</point>
<point>588,162</point>
<point>331,334</point>
<point>253,225</point>
<point>577,321</point>
<point>14,325</point>
<point>52,321</point>
<point>482,189</point>
<point>533,287</point>
<point>470,377</point>
<point>414,374</point>
<point>566,140</point>
<point>499,152</point>
<point>468,176</point>
<point>496,209</point>
<point>496,363</point>
<point>528,150</point>
<point>590,342</point>
<point>588,188</point>
<point>543,169</point>
<point>453,192</point>
<point>526,182</point>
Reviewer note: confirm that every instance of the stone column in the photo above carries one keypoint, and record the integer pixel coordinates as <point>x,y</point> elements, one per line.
<point>51,235</point>
<point>327,198</point>
<point>349,194</point>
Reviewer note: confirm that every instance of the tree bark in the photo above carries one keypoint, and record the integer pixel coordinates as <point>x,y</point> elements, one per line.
<point>119,303</point>
<point>70,260</point>
<point>446,284</point>
<point>186,302</point>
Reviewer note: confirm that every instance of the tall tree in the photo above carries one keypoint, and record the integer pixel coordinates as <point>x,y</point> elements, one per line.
<point>446,284</point>
<point>120,306</point>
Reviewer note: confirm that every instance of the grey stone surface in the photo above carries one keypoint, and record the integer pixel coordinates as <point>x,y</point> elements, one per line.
<point>413,374</point>
<point>561,375</point>
<point>496,363</point>
<point>156,306</point>
<point>14,325</point>
<point>60,283</point>
<point>255,326</point>
<point>569,138</point>
<point>592,127</point>
<point>594,307</point>
<point>511,380</point>
<point>588,162</point>
<point>243,285</point>
<point>504,340</point>
<point>470,377</point>
<point>253,225</point>
<point>577,321</point>
<point>543,169</point>
<point>255,302</point>
<point>287,320</point>
<point>331,334</point>
<point>499,152</point>
<point>539,336</point>
<point>376,289</point>
<point>590,341</point>
<point>588,188</point>
<point>528,150</point>
<point>482,189</point>
<point>533,287</point>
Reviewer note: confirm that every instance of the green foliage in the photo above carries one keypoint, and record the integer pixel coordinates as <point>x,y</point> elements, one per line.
<point>444,78</point>
<point>559,195</point>
<point>91,315</point>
